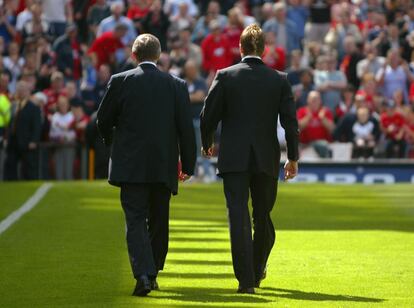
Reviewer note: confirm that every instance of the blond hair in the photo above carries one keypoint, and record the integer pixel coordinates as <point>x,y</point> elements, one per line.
<point>252,40</point>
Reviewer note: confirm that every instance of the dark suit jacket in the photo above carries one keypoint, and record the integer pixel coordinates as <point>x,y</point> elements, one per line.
<point>25,127</point>
<point>248,98</point>
<point>150,111</point>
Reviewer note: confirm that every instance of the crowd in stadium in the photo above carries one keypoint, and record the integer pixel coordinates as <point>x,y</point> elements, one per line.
<point>350,63</point>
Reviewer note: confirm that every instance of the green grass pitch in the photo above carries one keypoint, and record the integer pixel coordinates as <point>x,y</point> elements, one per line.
<point>337,246</point>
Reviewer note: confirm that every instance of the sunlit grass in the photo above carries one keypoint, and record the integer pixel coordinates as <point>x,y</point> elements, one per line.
<point>337,246</point>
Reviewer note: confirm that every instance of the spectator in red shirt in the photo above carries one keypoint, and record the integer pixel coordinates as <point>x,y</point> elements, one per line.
<point>57,88</point>
<point>138,9</point>
<point>104,47</point>
<point>409,130</point>
<point>233,31</point>
<point>273,55</point>
<point>411,94</point>
<point>216,50</point>
<point>316,124</point>
<point>392,125</point>
<point>81,120</point>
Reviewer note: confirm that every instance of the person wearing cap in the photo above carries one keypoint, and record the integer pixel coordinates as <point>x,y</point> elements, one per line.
<point>248,98</point>
<point>145,118</point>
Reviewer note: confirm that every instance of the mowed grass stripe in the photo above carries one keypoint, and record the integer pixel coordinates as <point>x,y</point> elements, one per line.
<point>337,246</point>
<point>13,195</point>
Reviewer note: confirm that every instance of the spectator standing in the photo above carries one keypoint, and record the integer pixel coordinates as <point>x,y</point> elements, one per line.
<point>24,16</point>
<point>138,9</point>
<point>350,60</point>
<point>104,74</point>
<point>202,27</point>
<point>105,46</point>
<point>302,90</point>
<point>172,7</point>
<point>192,51</point>
<point>63,133</point>
<point>233,31</point>
<point>96,13</point>
<point>156,22</point>
<point>316,125</point>
<point>181,21</point>
<point>57,13</point>
<point>216,50</point>
<point>394,75</point>
<point>56,89</point>
<point>7,22</point>
<point>273,55</point>
<point>23,137</point>
<point>5,113</point>
<point>37,25</point>
<point>197,89</point>
<point>110,23</point>
<point>298,13</point>
<point>372,63</point>
<point>329,81</point>
<point>295,68</point>
<point>285,30</point>
<point>319,20</point>
<point>14,64</point>
<point>68,53</point>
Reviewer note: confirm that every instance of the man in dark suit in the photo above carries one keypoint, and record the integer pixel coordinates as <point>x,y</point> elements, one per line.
<point>145,115</point>
<point>23,137</point>
<point>248,98</point>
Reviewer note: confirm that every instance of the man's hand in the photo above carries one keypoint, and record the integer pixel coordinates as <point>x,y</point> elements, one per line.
<point>208,153</point>
<point>183,176</point>
<point>291,169</point>
<point>32,146</point>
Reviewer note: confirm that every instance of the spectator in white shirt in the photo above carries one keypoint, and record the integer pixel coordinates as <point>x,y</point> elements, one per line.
<point>63,133</point>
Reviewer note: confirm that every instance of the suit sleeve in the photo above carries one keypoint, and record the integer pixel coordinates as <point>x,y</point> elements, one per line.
<point>288,120</point>
<point>108,111</point>
<point>212,111</point>
<point>185,129</point>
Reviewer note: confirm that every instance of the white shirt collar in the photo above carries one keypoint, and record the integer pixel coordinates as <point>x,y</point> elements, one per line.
<point>148,62</point>
<point>248,57</point>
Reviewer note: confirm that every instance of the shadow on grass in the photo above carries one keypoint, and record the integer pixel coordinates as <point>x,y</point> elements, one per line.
<point>314,296</point>
<point>206,230</point>
<point>208,295</point>
<point>199,262</point>
<point>198,240</point>
<point>197,275</point>
<point>197,250</point>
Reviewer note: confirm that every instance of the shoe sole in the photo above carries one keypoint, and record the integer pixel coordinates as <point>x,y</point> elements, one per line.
<point>142,293</point>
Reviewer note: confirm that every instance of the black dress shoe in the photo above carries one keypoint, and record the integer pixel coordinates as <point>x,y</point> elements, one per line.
<point>154,284</point>
<point>245,290</point>
<point>143,286</point>
<point>261,279</point>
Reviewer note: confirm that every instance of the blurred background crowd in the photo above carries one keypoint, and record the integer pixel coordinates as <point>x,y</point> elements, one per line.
<point>350,64</point>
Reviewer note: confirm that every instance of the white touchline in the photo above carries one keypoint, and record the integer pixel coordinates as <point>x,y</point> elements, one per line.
<point>26,207</point>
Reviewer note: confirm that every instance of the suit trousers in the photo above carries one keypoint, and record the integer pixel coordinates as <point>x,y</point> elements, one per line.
<point>249,253</point>
<point>146,209</point>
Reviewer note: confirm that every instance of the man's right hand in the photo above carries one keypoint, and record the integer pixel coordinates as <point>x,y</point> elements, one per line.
<point>291,169</point>
<point>207,153</point>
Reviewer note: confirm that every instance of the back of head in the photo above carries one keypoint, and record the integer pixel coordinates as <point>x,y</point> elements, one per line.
<point>146,48</point>
<point>252,41</point>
